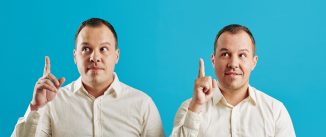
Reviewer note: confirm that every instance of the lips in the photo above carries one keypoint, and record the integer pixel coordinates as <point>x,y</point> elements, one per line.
<point>95,68</point>
<point>231,73</point>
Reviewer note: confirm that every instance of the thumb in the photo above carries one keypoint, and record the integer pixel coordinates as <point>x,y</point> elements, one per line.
<point>213,90</point>
<point>61,81</point>
<point>214,84</point>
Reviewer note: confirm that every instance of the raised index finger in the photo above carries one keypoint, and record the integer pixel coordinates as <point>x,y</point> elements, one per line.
<point>46,66</point>
<point>201,68</point>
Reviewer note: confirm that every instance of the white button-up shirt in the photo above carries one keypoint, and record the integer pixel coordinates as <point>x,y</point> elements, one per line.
<point>121,111</point>
<point>259,115</point>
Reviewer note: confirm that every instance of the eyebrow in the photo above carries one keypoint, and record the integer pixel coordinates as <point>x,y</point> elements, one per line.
<point>84,44</point>
<point>225,49</point>
<point>106,43</point>
<point>244,50</point>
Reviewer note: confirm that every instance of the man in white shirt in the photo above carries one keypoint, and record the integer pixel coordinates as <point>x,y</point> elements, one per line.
<point>95,105</point>
<point>231,107</point>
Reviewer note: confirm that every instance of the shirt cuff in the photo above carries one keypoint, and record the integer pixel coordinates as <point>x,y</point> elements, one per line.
<point>192,120</point>
<point>32,117</point>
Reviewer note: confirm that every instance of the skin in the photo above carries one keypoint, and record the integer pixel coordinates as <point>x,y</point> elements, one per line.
<point>46,87</point>
<point>233,62</point>
<point>95,56</point>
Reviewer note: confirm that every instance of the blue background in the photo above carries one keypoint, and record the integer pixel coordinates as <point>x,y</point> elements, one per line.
<point>161,43</point>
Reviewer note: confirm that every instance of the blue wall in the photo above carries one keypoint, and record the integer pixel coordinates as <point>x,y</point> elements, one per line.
<point>161,42</point>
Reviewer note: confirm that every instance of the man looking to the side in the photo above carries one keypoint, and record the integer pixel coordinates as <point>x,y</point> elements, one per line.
<point>97,104</point>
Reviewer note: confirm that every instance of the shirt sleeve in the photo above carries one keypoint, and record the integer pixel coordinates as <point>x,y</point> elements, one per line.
<point>284,126</point>
<point>152,121</point>
<point>186,123</point>
<point>32,124</point>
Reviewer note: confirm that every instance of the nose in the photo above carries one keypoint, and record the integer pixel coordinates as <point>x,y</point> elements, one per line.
<point>233,63</point>
<point>95,57</point>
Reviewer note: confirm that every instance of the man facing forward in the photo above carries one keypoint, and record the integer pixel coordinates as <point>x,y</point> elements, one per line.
<point>231,107</point>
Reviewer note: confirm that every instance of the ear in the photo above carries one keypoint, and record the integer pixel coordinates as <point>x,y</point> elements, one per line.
<point>74,52</point>
<point>213,60</point>
<point>255,60</point>
<point>117,54</point>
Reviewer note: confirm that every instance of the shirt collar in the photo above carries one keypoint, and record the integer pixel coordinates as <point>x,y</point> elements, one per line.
<point>114,88</point>
<point>252,95</point>
<point>218,96</point>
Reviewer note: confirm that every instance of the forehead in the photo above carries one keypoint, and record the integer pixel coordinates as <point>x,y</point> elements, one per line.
<point>96,35</point>
<point>234,42</point>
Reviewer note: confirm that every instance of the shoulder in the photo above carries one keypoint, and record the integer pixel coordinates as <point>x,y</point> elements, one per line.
<point>136,99</point>
<point>133,96</point>
<point>263,96</point>
<point>129,91</point>
<point>268,102</point>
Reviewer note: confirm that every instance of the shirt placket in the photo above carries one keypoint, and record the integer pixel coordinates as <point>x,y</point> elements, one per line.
<point>97,117</point>
<point>234,122</point>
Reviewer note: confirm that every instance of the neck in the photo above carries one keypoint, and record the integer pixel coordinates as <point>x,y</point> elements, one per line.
<point>97,89</point>
<point>235,96</point>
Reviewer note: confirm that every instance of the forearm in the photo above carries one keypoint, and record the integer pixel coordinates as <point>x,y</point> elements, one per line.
<point>27,125</point>
<point>187,124</point>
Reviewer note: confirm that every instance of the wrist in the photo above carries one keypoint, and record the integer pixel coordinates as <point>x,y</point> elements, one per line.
<point>195,107</point>
<point>33,107</point>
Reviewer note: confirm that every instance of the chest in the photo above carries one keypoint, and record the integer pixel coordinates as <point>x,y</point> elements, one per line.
<point>95,118</point>
<point>237,122</point>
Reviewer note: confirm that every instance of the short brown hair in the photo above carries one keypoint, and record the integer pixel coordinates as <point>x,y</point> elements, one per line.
<point>96,22</point>
<point>233,29</point>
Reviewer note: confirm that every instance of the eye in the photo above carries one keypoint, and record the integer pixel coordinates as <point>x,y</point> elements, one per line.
<point>243,55</point>
<point>104,49</point>
<point>225,54</point>
<point>85,49</point>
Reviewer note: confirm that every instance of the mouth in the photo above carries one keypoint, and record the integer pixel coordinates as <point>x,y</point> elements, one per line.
<point>95,68</point>
<point>230,73</point>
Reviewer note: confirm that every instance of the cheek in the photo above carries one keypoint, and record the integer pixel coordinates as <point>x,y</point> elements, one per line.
<point>219,65</point>
<point>219,68</point>
<point>81,62</point>
<point>109,60</point>
<point>245,67</point>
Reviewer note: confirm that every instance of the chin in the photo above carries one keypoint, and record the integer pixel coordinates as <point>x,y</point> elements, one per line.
<point>233,85</point>
<point>93,79</point>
